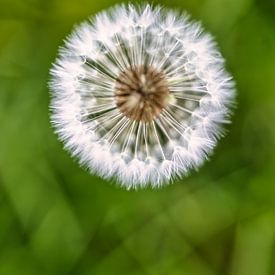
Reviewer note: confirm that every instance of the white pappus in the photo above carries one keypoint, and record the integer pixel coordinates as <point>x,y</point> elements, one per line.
<point>140,93</point>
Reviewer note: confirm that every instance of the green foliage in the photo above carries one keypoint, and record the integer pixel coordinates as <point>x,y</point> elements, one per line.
<point>55,218</point>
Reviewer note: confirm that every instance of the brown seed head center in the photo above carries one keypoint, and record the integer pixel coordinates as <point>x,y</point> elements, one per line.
<point>141,93</point>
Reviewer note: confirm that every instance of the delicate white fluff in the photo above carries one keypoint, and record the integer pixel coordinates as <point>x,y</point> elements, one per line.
<point>84,112</point>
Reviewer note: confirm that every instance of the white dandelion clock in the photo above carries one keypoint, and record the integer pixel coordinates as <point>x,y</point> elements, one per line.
<point>140,94</point>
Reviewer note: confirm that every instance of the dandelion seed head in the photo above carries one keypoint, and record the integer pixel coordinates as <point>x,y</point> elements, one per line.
<point>140,94</point>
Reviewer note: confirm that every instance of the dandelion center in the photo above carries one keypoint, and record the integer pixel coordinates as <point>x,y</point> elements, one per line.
<point>141,93</point>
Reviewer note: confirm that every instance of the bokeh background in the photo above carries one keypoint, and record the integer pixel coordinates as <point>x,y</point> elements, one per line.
<point>55,218</point>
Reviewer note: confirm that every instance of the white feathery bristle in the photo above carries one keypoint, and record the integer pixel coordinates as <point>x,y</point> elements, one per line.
<point>140,94</point>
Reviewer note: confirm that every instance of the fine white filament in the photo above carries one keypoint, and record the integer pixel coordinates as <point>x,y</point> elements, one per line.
<point>165,144</point>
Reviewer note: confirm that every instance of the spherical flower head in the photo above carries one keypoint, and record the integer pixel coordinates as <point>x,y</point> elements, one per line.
<point>140,94</point>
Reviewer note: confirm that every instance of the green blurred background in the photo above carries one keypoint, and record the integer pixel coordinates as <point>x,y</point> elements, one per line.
<point>55,218</point>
